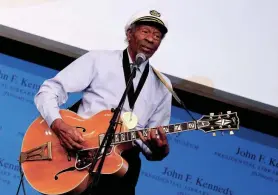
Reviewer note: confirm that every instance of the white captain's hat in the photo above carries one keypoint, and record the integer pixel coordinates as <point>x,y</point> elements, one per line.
<point>151,17</point>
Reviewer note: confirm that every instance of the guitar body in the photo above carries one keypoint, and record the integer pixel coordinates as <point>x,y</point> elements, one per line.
<point>43,157</point>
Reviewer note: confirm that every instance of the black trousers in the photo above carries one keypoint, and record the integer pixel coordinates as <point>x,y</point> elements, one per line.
<point>109,184</point>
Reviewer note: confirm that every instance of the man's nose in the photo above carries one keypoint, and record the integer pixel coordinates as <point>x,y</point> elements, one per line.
<point>150,38</point>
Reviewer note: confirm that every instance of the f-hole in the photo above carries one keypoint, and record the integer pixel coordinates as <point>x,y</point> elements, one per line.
<point>83,129</point>
<point>65,170</point>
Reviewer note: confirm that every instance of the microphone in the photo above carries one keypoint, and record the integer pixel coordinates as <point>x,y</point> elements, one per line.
<point>139,59</point>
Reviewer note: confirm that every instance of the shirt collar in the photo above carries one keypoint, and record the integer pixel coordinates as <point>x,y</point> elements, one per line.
<point>141,67</point>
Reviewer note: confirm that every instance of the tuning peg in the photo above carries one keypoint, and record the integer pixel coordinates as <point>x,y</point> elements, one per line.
<point>211,115</point>
<point>213,134</point>
<point>232,133</point>
<point>220,113</point>
<point>229,112</point>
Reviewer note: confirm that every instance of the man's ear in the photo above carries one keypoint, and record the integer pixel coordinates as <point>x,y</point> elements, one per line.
<point>128,34</point>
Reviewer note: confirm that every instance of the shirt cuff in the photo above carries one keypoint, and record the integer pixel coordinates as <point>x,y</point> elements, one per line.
<point>52,116</point>
<point>144,147</point>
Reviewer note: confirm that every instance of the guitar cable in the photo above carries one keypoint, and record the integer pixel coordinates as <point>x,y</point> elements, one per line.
<point>21,182</point>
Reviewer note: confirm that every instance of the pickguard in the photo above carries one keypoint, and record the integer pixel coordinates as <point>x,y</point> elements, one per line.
<point>84,158</point>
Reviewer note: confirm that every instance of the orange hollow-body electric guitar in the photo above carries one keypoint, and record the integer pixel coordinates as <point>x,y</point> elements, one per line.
<point>50,169</point>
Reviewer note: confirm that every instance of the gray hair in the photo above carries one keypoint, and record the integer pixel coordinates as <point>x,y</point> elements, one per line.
<point>132,28</point>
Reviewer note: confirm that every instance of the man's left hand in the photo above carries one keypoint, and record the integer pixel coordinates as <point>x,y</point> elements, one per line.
<point>158,144</point>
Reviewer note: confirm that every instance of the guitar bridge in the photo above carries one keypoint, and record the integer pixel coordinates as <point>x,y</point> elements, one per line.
<point>42,152</point>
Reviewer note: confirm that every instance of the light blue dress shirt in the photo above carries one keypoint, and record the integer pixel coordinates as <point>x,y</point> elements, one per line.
<point>100,76</point>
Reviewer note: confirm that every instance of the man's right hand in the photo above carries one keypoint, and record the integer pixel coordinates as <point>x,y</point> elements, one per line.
<point>69,136</point>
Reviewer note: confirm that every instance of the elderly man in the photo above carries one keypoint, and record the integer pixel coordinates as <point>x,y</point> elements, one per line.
<point>102,77</point>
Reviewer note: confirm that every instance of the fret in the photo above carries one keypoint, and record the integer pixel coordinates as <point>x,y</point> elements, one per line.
<point>166,129</point>
<point>191,125</point>
<point>172,128</point>
<point>113,140</point>
<point>177,128</point>
<point>156,131</point>
<point>184,126</point>
<point>127,136</point>
<point>133,135</point>
<point>145,132</point>
<point>122,137</point>
<point>117,138</point>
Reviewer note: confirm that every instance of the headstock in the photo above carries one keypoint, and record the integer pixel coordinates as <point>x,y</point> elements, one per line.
<point>220,122</point>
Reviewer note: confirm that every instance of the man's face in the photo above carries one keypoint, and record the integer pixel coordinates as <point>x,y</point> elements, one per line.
<point>144,39</point>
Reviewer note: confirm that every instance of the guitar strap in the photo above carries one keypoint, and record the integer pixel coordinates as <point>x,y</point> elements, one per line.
<point>160,77</point>
<point>132,96</point>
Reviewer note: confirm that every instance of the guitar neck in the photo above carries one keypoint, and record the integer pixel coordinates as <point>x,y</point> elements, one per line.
<point>169,129</point>
<point>211,123</point>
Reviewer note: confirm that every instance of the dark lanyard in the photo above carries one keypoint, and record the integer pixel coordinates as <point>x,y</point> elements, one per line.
<point>132,97</point>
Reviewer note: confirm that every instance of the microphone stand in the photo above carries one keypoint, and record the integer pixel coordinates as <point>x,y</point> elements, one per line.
<point>105,144</point>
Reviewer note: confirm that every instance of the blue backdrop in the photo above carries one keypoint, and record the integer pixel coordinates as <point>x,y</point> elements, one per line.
<point>198,164</point>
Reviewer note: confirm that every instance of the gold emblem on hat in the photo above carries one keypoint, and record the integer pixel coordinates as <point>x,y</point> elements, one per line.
<point>155,13</point>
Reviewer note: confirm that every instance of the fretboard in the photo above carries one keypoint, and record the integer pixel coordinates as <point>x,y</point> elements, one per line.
<point>133,134</point>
